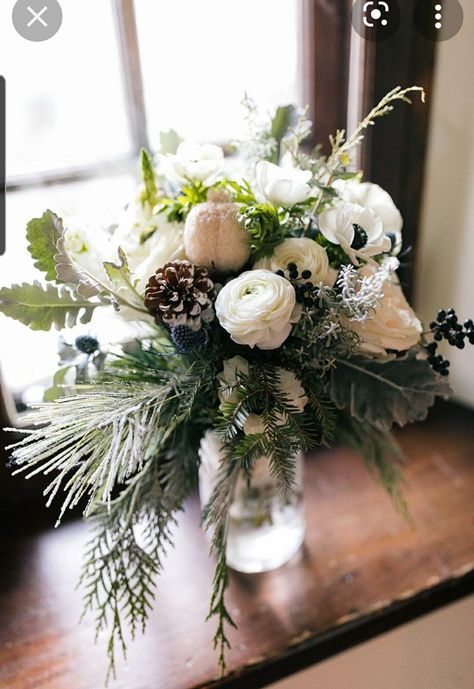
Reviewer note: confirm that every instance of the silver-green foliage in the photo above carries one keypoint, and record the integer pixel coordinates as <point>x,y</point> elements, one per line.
<point>385,392</point>
<point>43,306</point>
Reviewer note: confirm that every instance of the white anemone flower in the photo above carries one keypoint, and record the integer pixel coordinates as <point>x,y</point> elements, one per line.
<point>359,231</point>
<point>372,196</point>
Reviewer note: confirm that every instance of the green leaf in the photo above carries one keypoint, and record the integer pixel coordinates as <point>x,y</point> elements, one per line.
<point>149,194</point>
<point>169,141</point>
<point>43,235</point>
<point>285,117</point>
<point>56,390</point>
<point>386,392</point>
<point>41,307</point>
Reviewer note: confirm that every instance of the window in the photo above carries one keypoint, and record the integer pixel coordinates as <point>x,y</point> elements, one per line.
<point>78,107</point>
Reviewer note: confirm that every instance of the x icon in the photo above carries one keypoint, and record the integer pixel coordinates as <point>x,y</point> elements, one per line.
<point>37,16</point>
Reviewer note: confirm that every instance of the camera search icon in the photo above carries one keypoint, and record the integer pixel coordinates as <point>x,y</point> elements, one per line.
<point>376,20</point>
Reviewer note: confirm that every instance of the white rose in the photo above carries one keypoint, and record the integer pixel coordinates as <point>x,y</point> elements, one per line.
<point>305,253</point>
<point>378,200</point>
<point>229,375</point>
<point>394,324</point>
<point>258,309</point>
<point>283,186</point>
<point>359,231</point>
<point>195,162</point>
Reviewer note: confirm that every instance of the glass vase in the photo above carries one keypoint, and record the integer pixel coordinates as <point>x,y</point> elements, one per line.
<point>266,528</point>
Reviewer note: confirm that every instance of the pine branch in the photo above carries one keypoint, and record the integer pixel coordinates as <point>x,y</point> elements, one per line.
<point>380,452</point>
<point>215,518</point>
<point>125,555</point>
<point>325,413</point>
<point>95,440</point>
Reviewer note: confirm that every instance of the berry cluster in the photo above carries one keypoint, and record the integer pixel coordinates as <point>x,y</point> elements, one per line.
<point>437,361</point>
<point>185,339</point>
<point>306,293</point>
<point>446,327</point>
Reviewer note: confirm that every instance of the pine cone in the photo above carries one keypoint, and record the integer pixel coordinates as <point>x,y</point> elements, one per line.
<point>180,293</point>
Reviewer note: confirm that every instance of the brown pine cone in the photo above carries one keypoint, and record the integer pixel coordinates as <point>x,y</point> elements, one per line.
<point>180,293</point>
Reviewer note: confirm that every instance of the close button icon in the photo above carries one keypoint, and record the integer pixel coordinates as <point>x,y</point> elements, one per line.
<point>37,20</point>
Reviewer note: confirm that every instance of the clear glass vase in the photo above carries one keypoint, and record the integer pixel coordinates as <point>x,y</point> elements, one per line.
<point>266,529</point>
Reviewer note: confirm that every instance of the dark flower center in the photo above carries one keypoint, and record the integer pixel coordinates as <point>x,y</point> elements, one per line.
<point>360,237</point>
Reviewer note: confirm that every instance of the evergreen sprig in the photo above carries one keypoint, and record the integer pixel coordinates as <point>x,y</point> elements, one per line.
<point>381,454</point>
<point>125,555</point>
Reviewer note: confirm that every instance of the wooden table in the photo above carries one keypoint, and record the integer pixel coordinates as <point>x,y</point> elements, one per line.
<point>362,571</point>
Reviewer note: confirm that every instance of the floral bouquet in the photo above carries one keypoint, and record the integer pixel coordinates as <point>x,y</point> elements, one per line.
<point>265,316</point>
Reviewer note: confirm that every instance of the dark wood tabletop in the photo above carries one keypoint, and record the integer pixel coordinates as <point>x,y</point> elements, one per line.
<point>362,571</point>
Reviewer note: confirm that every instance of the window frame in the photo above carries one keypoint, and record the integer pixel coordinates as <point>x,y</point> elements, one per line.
<point>132,79</point>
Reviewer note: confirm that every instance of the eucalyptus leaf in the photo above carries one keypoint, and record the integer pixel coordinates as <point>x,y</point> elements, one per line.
<point>385,392</point>
<point>42,306</point>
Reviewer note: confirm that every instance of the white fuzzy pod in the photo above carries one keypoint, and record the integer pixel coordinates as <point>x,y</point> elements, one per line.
<point>214,238</point>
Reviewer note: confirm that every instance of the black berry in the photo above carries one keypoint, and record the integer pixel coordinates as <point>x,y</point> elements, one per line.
<point>87,344</point>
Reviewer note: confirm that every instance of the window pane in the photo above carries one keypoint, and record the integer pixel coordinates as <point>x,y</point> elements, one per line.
<point>199,58</point>
<point>65,100</point>
<point>29,357</point>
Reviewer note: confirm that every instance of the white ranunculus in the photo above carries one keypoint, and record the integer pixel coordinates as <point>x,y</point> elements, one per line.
<point>305,253</point>
<point>257,309</point>
<point>359,231</point>
<point>196,162</point>
<point>283,186</point>
<point>393,325</point>
<point>378,200</point>
<point>229,375</point>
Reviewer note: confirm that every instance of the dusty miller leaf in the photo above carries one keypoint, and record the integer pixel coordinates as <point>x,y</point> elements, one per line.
<point>121,279</point>
<point>47,247</point>
<point>67,270</point>
<point>43,235</point>
<point>386,392</point>
<point>42,306</point>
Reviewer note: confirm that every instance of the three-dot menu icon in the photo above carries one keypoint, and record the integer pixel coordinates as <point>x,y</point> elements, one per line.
<point>438,20</point>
